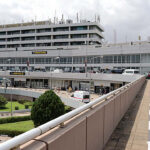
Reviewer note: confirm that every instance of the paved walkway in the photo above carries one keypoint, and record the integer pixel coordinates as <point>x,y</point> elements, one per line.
<point>132,131</point>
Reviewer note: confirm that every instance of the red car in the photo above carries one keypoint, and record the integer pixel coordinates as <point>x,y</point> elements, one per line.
<point>148,75</point>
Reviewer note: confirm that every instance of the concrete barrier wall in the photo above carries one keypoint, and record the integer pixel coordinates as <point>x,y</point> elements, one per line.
<point>91,129</point>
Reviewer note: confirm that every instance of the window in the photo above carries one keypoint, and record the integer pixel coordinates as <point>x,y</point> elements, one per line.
<point>79,28</point>
<point>60,36</point>
<point>61,29</point>
<point>43,30</point>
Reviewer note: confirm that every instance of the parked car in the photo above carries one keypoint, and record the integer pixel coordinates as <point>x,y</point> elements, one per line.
<point>148,75</point>
<point>58,71</point>
<point>117,71</point>
<point>131,71</point>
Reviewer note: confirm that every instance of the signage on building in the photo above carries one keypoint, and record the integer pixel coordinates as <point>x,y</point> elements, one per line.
<point>40,52</point>
<point>17,73</point>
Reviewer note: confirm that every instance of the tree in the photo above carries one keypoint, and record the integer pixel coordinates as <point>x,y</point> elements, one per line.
<point>3,101</point>
<point>47,107</point>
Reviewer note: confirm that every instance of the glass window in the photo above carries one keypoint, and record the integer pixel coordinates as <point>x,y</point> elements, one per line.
<point>115,59</point>
<point>119,59</point>
<point>24,60</point>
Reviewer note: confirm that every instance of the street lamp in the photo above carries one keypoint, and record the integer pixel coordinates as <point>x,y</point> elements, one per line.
<point>91,72</point>
<point>9,62</point>
<point>58,58</point>
<point>7,80</point>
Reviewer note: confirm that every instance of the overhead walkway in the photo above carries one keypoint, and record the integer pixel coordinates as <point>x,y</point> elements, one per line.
<point>132,131</point>
<point>36,93</point>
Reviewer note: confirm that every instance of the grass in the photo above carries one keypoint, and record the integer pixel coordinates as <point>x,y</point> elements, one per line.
<point>21,126</point>
<point>8,106</point>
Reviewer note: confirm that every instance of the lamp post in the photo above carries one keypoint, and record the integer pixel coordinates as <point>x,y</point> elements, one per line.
<point>90,74</point>
<point>9,62</point>
<point>101,59</point>
<point>6,80</point>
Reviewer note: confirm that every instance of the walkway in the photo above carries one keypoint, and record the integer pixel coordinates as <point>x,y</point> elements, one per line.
<point>132,131</point>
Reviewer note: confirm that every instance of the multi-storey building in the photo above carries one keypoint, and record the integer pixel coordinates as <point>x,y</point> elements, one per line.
<point>69,46</point>
<point>45,35</point>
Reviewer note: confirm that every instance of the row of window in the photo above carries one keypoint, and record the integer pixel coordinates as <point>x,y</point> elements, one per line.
<point>48,44</point>
<point>48,37</point>
<point>56,29</point>
<point>74,60</point>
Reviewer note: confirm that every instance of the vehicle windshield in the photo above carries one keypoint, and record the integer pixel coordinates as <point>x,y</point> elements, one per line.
<point>86,96</point>
<point>129,72</point>
<point>136,72</point>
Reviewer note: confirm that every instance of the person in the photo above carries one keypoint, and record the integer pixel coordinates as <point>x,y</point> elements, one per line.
<point>6,85</point>
<point>100,91</point>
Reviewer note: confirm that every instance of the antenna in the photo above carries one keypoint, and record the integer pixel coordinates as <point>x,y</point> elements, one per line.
<point>115,36</point>
<point>98,18</point>
<point>77,18</point>
<point>62,19</point>
<point>95,17</point>
<point>55,17</point>
<point>34,20</point>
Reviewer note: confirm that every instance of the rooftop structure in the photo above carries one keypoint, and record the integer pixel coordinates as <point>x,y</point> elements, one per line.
<point>45,34</point>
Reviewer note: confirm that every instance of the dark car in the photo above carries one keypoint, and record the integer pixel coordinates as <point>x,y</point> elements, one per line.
<point>117,71</point>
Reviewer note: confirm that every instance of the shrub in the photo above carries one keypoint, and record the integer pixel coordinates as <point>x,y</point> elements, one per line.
<point>14,119</point>
<point>28,103</point>
<point>47,107</point>
<point>67,109</point>
<point>21,101</point>
<point>10,133</point>
<point>26,106</point>
<point>3,101</point>
<point>16,108</point>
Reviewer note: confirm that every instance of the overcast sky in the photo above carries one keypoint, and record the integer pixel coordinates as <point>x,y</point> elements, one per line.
<point>128,18</point>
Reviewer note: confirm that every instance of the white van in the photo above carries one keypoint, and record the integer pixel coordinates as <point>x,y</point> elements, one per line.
<point>82,96</point>
<point>131,71</point>
<point>58,71</point>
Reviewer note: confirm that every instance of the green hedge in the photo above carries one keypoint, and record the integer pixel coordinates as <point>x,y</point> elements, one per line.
<point>10,133</point>
<point>14,119</point>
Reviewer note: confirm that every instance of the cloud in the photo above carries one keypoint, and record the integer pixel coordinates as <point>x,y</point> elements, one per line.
<point>129,18</point>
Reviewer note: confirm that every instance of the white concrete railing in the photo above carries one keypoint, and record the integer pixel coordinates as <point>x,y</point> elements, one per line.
<point>27,136</point>
<point>30,93</point>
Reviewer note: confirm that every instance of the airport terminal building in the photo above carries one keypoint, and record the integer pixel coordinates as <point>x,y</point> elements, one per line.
<point>72,47</point>
<point>67,45</point>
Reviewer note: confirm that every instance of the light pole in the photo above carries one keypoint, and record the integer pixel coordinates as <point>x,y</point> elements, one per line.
<point>9,62</point>
<point>58,58</point>
<point>6,80</point>
<point>90,74</point>
<point>101,59</point>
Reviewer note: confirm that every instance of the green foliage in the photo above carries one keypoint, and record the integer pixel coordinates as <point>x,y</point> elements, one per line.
<point>14,129</point>
<point>47,107</point>
<point>14,119</point>
<point>26,106</point>
<point>3,101</point>
<point>8,106</point>
<point>16,108</point>
<point>10,133</point>
<point>67,109</point>
<point>21,101</point>
<point>29,103</point>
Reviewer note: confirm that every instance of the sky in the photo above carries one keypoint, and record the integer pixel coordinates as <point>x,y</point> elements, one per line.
<point>127,19</point>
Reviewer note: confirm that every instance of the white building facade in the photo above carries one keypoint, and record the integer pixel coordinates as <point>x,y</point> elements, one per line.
<point>68,46</point>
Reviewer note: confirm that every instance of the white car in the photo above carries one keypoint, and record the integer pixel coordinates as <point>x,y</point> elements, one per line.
<point>130,71</point>
<point>58,71</point>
